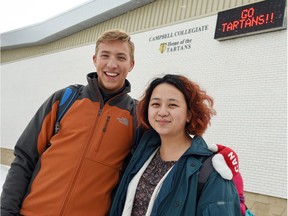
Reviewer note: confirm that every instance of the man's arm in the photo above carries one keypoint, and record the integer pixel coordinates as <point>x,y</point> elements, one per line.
<point>27,151</point>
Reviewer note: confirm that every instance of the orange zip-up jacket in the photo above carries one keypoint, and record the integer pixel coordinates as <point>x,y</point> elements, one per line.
<point>77,173</point>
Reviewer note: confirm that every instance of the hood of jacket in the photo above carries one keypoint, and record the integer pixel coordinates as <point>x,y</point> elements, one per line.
<point>151,140</point>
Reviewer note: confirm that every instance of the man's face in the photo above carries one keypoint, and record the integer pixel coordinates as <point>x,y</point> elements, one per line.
<point>112,62</point>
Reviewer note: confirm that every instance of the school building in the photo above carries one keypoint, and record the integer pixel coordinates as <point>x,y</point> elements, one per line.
<point>235,49</point>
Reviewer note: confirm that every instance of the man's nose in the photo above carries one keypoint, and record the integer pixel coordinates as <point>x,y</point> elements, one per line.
<point>112,63</point>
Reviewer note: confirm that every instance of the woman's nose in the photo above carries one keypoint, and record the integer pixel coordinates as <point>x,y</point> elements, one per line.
<point>163,112</point>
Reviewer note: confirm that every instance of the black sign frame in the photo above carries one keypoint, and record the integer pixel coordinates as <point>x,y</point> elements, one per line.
<point>251,19</point>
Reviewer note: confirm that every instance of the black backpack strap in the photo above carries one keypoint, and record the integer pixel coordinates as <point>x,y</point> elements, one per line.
<point>70,94</point>
<point>204,173</point>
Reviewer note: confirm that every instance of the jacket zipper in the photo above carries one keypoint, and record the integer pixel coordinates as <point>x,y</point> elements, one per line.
<point>72,185</point>
<point>102,134</point>
<point>66,200</point>
<point>107,120</point>
<point>106,123</point>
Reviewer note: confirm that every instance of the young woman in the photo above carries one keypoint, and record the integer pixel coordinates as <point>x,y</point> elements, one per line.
<point>162,176</point>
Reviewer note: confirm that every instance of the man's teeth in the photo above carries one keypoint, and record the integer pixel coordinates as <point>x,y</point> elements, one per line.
<point>111,74</point>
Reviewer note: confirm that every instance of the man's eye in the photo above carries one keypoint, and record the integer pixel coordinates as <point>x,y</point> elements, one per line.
<point>104,56</point>
<point>173,105</point>
<point>122,58</point>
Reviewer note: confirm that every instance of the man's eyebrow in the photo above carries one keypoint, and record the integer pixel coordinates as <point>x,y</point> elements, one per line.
<point>104,51</point>
<point>120,53</point>
<point>108,52</point>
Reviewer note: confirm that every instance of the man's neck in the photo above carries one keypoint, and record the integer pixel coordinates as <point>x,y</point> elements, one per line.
<point>107,96</point>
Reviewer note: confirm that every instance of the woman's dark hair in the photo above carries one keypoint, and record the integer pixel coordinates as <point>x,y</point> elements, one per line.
<point>198,103</point>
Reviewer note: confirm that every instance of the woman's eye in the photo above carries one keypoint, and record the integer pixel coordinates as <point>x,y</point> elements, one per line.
<point>173,105</point>
<point>155,104</point>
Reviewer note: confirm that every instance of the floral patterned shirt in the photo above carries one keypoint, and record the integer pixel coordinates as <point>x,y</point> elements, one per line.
<point>147,183</point>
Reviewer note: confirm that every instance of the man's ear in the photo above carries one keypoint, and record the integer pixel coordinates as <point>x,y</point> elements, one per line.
<point>94,59</point>
<point>132,63</point>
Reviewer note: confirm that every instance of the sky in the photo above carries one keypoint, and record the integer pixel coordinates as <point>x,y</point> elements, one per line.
<point>15,14</point>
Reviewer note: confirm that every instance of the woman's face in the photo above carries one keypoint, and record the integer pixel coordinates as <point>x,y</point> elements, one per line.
<point>167,110</point>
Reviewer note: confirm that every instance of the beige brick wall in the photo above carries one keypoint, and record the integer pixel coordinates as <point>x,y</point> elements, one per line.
<point>6,156</point>
<point>263,205</point>
<point>260,205</point>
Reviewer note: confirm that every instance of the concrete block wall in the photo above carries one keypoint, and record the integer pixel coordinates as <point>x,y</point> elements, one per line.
<point>6,156</point>
<point>262,205</point>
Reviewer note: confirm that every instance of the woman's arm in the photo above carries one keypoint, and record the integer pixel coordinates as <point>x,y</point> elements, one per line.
<point>219,197</point>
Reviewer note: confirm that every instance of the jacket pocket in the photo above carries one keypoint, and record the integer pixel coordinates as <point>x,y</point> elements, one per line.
<point>223,208</point>
<point>112,141</point>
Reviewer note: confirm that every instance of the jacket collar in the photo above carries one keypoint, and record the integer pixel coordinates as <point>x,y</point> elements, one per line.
<point>92,79</point>
<point>199,147</point>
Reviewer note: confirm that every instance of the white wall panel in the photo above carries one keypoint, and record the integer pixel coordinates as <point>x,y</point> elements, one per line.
<point>246,76</point>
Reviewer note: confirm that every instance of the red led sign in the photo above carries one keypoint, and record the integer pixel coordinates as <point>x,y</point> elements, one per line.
<point>255,18</point>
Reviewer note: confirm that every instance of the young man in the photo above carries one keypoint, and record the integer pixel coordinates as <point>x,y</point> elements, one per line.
<point>75,171</point>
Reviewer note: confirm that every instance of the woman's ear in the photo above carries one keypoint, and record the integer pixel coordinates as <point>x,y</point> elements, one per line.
<point>189,116</point>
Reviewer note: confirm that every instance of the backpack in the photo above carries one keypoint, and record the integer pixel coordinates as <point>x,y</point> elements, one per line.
<point>70,94</point>
<point>248,212</point>
<point>204,172</point>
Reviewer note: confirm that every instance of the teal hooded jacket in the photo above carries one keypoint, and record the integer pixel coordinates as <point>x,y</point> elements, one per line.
<point>178,194</point>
